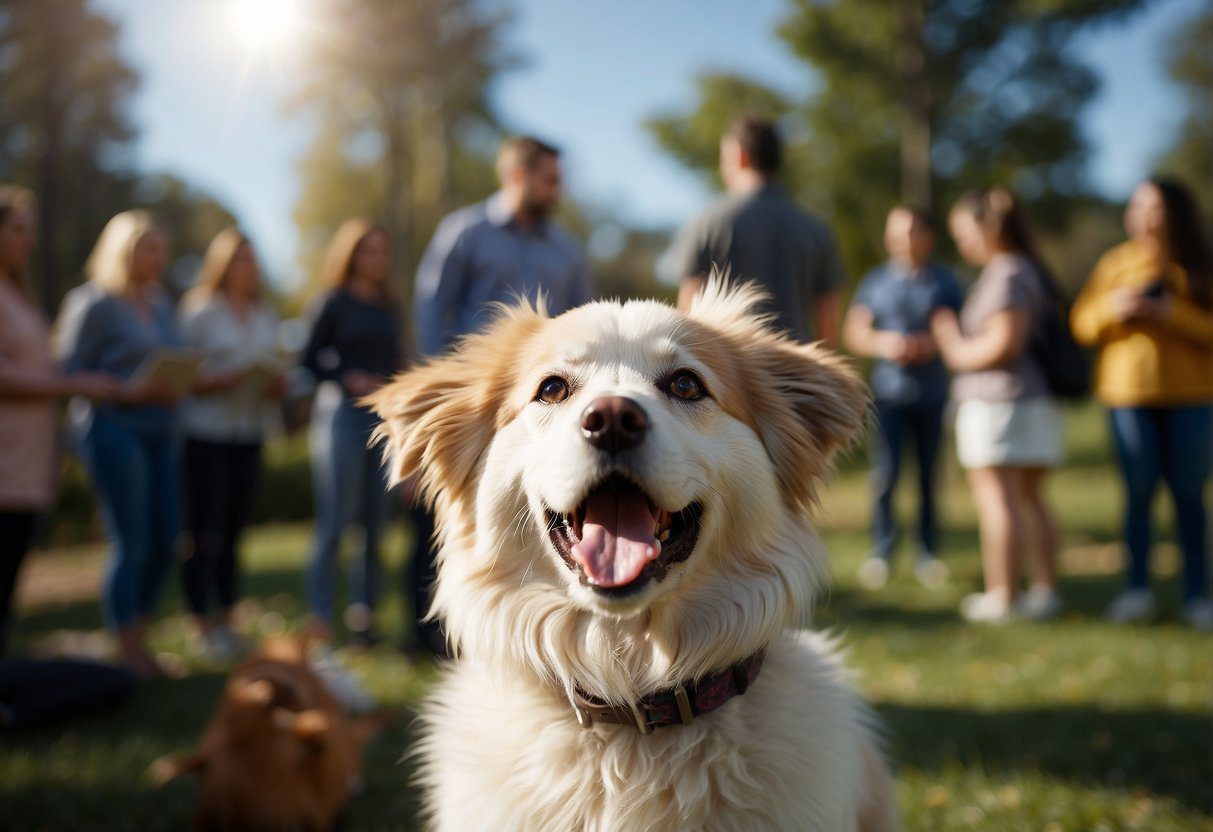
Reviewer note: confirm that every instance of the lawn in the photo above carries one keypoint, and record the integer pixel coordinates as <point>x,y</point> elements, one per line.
<point>1070,725</point>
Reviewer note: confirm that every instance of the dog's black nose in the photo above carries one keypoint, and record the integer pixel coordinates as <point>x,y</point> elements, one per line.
<point>614,423</point>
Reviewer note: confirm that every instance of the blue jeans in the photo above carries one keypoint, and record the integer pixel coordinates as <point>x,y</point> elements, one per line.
<point>1175,444</point>
<point>137,475</point>
<point>350,483</point>
<point>925,423</point>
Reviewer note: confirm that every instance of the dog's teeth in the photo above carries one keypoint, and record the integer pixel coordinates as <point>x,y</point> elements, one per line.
<point>664,536</point>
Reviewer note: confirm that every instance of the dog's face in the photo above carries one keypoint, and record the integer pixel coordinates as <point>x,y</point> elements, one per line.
<point>620,462</point>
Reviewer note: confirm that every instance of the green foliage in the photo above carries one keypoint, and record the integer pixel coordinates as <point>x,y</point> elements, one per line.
<point>1191,66</point>
<point>64,132</point>
<point>400,90</point>
<point>1001,92</point>
<point>64,94</point>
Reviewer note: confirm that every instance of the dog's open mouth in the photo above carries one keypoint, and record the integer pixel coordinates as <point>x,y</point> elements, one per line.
<point>618,539</point>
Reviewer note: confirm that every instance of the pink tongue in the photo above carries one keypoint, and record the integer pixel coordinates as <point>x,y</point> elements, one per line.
<point>616,538</point>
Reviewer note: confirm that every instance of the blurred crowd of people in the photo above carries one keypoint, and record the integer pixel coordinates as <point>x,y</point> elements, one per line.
<point>171,404</point>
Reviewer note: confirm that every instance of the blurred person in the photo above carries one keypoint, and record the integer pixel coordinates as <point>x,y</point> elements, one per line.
<point>1008,425</point>
<point>111,323</point>
<point>228,320</point>
<point>29,384</point>
<point>499,250</point>
<point>1148,308</point>
<point>495,251</point>
<point>890,320</point>
<point>757,232</point>
<point>354,347</point>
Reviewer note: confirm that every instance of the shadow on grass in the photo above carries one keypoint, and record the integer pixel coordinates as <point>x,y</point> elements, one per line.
<point>1168,753</point>
<point>284,588</point>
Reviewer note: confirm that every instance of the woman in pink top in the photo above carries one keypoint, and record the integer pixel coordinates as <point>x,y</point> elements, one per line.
<point>29,384</point>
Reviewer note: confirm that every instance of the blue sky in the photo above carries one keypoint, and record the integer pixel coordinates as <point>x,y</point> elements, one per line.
<point>212,110</point>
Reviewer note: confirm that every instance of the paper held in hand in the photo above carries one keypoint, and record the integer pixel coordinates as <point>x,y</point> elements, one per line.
<point>266,371</point>
<point>176,369</point>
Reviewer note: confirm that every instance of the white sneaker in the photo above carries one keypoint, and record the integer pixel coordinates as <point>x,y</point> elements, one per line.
<point>1198,614</point>
<point>340,681</point>
<point>1132,606</point>
<point>986,608</point>
<point>873,573</point>
<point>1040,603</point>
<point>220,647</point>
<point>931,572</point>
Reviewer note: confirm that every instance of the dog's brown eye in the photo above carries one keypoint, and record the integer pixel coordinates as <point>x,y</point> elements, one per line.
<point>553,390</point>
<point>686,385</point>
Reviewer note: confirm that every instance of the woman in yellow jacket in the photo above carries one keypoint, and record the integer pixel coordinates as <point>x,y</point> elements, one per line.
<point>1148,307</point>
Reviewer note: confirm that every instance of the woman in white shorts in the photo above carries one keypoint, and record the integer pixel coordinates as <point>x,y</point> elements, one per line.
<point>1008,425</point>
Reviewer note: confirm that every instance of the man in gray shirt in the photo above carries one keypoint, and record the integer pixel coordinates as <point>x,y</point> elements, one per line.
<point>501,249</point>
<point>758,233</point>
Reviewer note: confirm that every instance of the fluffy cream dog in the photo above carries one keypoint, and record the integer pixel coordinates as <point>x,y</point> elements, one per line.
<point>623,496</point>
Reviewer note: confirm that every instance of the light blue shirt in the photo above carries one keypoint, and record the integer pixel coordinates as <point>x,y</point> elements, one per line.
<point>102,333</point>
<point>480,256</point>
<point>902,300</point>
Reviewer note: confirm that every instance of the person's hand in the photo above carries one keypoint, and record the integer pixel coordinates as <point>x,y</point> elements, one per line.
<point>1156,308</point>
<point>275,389</point>
<point>892,346</point>
<point>920,348</point>
<point>98,387</point>
<point>1131,305</point>
<point>360,383</point>
<point>150,392</point>
<point>221,381</point>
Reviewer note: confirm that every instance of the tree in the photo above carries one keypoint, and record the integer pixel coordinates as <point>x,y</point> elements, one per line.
<point>191,217</point>
<point>64,126</point>
<point>406,132</point>
<point>1191,157</point>
<point>919,99</point>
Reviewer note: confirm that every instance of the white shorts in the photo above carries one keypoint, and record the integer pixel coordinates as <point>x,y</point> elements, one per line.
<point>1019,434</point>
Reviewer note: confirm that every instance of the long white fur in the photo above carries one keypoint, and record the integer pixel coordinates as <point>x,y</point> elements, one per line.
<point>501,748</point>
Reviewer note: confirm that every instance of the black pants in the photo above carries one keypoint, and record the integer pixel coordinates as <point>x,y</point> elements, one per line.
<point>16,532</point>
<point>421,573</point>
<point>37,692</point>
<point>220,481</point>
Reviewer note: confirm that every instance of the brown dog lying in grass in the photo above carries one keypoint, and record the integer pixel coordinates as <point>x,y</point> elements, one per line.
<point>281,751</point>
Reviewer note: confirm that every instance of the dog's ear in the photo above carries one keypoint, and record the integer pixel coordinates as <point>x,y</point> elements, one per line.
<point>809,404</point>
<point>804,402</point>
<point>166,769</point>
<point>438,418</point>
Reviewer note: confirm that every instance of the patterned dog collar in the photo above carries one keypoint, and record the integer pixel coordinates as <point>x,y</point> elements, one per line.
<point>677,706</point>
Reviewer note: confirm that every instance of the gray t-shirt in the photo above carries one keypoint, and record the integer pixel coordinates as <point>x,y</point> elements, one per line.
<point>764,236</point>
<point>1009,281</point>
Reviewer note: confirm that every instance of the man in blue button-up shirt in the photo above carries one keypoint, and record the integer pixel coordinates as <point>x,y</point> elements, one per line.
<point>502,249</point>
<point>499,250</point>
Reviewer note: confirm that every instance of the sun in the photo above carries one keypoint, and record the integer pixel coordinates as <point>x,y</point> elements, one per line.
<point>266,25</point>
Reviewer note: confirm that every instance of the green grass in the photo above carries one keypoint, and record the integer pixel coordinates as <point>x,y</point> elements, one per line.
<point>1070,725</point>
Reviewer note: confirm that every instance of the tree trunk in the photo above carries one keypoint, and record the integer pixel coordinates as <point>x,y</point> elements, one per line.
<point>50,118</point>
<point>397,187</point>
<point>915,105</point>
